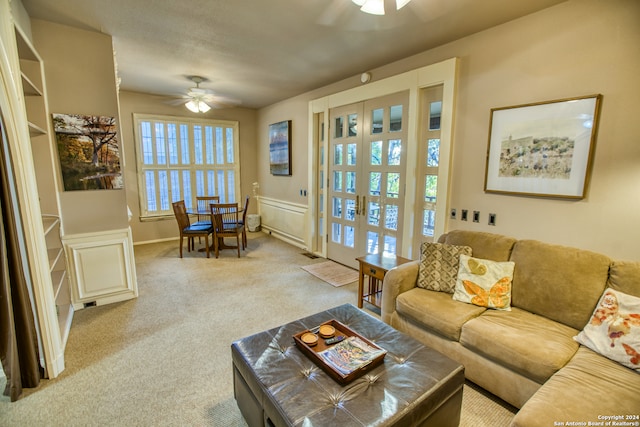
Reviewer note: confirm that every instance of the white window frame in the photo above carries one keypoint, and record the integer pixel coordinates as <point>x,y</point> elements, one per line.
<point>214,164</point>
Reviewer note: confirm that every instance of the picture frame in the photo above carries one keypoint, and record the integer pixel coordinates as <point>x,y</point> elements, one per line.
<point>280,148</point>
<point>542,149</point>
<point>89,152</point>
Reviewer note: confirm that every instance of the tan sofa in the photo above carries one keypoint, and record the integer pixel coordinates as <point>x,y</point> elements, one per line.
<point>526,356</point>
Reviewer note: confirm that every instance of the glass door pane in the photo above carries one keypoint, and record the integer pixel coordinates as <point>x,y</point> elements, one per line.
<point>367,172</point>
<point>428,164</point>
<point>318,242</point>
<point>385,139</point>
<point>344,192</point>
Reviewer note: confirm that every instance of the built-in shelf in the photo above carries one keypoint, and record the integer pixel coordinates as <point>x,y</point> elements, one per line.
<point>35,130</point>
<point>54,257</point>
<point>28,87</point>
<point>49,223</point>
<point>25,48</point>
<point>58,279</point>
<point>59,308</point>
<point>65,316</point>
<point>59,276</point>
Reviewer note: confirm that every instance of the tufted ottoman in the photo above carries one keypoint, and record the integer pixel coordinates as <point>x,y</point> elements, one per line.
<point>277,385</point>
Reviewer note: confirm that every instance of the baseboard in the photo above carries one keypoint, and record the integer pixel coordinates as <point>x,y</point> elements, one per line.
<point>148,242</point>
<point>292,240</point>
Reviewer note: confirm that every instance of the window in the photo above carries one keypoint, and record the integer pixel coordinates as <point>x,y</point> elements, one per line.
<point>181,158</point>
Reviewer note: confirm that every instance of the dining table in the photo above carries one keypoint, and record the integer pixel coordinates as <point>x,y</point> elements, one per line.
<point>207,213</point>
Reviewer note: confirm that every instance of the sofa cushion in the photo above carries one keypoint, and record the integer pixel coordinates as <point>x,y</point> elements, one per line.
<point>531,345</point>
<point>624,276</point>
<point>558,282</point>
<point>583,388</point>
<point>485,283</point>
<point>439,266</point>
<point>436,311</point>
<point>614,329</point>
<point>483,245</point>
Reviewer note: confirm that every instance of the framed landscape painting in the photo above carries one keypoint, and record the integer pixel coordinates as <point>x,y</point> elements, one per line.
<point>89,152</point>
<point>280,148</point>
<point>543,149</point>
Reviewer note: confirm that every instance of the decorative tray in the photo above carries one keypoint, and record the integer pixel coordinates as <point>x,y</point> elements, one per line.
<point>345,360</point>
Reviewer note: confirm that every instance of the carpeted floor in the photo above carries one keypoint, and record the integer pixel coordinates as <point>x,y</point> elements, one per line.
<point>164,359</point>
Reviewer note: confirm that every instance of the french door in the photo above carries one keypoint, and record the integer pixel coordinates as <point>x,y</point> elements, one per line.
<point>428,167</point>
<point>367,162</point>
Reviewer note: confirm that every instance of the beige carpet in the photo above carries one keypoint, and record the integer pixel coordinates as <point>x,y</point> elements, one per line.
<point>333,273</point>
<point>164,359</point>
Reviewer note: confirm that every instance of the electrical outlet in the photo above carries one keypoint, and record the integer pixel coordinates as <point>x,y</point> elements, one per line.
<point>476,216</point>
<point>453,214</point>
<point>492,219</point>
<point>464,215</point>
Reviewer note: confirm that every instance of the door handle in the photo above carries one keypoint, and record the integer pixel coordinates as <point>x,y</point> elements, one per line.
<point>357,205</point>
<point>364,205</point>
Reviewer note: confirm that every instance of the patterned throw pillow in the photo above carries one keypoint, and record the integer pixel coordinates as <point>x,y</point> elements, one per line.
<point>438,267</point>
<point>485,283</point>
<point>614,329</point>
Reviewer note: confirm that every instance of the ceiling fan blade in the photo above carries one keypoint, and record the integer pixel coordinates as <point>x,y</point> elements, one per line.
<point>348,16</point>
<point>198,92</point>
<point>176,101</point>
<point>215,101</point>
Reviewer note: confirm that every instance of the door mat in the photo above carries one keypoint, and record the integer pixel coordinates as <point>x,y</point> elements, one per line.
<point>332,273</point>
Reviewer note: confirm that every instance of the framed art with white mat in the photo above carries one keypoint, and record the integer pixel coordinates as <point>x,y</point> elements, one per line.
<point>542,149</point>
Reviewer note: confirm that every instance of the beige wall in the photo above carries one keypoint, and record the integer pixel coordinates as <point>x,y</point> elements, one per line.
<point>580,47</point>
<point>80,79</point>
<point>577,48</point>
<point>132,102</point>
<point>80,76</point>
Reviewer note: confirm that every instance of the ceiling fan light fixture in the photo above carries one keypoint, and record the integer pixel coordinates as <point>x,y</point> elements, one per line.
<point>197,106</point>
<point>376,7</point>
<point>192,106</point>
<point>373,7</point>
<point>196,103</point>
<point>203,107</point>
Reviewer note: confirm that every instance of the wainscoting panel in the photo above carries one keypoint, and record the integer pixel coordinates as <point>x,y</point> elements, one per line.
<point>102,267</point>
<point>284,220</point>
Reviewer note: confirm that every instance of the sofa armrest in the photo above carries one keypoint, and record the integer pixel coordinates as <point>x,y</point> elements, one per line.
<point>397,280</point>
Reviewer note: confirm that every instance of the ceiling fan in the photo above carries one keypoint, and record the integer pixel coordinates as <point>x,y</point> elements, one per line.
<point>200,100</point>
<point>384,14</point>
<point>376,7</point>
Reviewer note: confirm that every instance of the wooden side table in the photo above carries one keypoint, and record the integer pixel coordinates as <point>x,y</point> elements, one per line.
<point>375,266</point>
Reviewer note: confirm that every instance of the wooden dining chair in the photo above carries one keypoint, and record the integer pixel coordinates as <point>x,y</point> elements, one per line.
<point>243,221</point>
<point>225,224</point>
<point>202,207</point>
<point>190,230</point>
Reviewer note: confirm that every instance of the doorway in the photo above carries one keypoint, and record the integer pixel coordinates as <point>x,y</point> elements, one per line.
<point>349,216</point>
<point>366,185</point>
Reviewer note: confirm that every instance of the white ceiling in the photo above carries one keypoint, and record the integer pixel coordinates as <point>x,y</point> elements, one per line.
<point>263,51</point>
